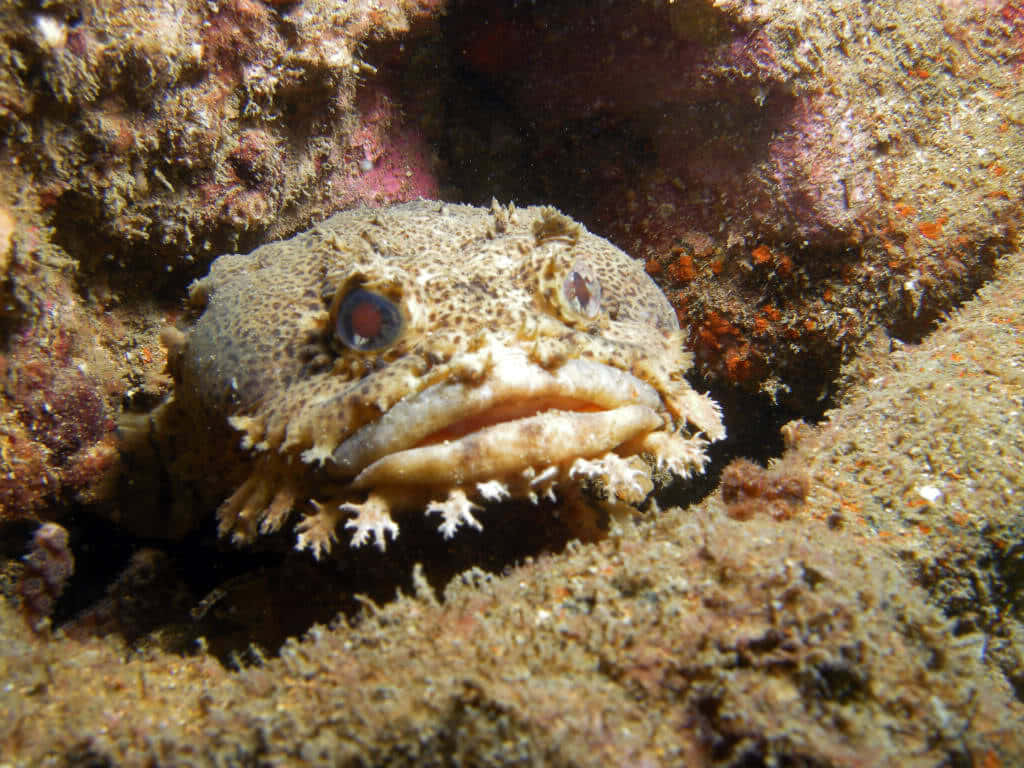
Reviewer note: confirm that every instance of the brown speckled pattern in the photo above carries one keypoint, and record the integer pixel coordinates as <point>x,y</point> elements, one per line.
<point>263,354</point>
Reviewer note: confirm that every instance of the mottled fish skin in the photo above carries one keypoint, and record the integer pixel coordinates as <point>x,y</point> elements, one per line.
<point>435,357</point>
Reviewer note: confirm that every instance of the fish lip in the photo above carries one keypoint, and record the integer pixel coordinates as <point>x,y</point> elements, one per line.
<point>506,449</point>
<point>512,382</point>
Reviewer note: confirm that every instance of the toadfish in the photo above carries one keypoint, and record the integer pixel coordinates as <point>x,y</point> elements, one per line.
<point>431,357</point>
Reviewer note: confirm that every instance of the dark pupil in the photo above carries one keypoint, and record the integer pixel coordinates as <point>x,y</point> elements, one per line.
<point>580,290</point>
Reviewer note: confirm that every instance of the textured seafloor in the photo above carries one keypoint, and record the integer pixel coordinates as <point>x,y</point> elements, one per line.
<point>879,625</point>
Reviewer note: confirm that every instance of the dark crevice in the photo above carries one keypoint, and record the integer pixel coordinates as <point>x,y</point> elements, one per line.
<point>528,116</point>
<point>752,422</point>
<point>202,586</point>
<point>924,305</point>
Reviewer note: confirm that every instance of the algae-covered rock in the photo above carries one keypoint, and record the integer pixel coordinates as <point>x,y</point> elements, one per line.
<point>806,181</point>
<point>691,638</point>
<point>163,134</point>
<point>795,175</point>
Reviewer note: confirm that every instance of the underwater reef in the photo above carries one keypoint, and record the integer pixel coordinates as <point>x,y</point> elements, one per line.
<point>878,622</point>
<point>829,195</point>
<point>795,175</point>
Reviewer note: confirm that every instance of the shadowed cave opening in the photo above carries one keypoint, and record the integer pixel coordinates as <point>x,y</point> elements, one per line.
<point>500,129</point>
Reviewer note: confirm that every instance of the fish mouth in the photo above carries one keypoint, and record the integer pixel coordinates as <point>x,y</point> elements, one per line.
<point>515,415</point>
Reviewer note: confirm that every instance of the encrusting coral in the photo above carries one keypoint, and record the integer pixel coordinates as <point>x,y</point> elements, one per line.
<point>748,489</point>
<point>48,566</point>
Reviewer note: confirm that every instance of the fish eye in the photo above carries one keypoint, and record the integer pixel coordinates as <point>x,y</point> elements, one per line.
<point>582,290</point>
<point>367,321</point>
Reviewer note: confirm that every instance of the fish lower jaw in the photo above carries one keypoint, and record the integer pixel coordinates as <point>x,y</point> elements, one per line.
<point>550,438</point>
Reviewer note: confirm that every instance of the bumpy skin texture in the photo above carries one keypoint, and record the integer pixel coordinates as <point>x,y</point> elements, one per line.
<point>523,358</point>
